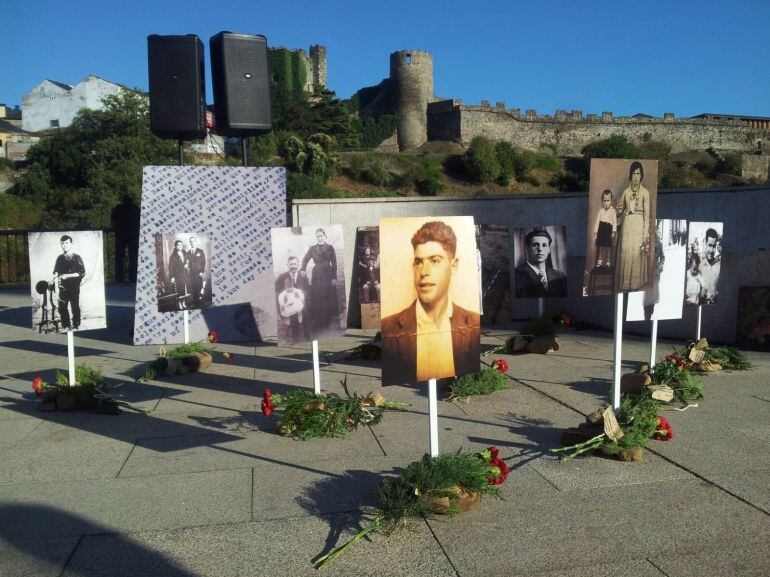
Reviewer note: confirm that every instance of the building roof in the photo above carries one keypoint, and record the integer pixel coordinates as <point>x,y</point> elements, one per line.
<point>59,84</point>
<point>10,128</point>
<point>736,116</point>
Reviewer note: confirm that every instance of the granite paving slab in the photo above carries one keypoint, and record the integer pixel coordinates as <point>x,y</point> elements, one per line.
<point>34,557</point>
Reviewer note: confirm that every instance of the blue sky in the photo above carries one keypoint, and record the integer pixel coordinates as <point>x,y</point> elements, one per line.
<point>685,57</point>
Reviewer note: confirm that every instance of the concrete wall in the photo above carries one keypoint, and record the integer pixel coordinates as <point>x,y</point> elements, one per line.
<point>745,262</point>
<point>571,132</point>
<point>48,101</point>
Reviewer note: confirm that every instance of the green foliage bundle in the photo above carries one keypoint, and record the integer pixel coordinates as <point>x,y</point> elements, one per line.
<point>484,382</point>
<point>447,475</point>
<point>638,418</point>
<point>730,358</point>
<point>674,372</point>
<point>548,324</point>
<point>306,415</point>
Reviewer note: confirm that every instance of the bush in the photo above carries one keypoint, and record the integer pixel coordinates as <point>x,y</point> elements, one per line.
<point>616,146</point>
<point>507,158</point>
<point>432,181</point>
<point>481,162</point>
<point>730,164</point>
<point>306,186</point>
<point>654,149</point>
<point>375,172</point>
<point>6,164</point>
<point>377,193</point>
<point>568,182</point>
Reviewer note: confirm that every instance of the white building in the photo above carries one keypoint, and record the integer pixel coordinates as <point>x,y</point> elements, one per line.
<point>54,104</point>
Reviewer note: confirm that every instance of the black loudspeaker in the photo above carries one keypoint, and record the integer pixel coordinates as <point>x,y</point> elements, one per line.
<point>177,86</point>
<point>240,81</point>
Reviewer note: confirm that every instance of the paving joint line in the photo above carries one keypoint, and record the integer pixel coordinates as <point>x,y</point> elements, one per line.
<point>384,453</point>
<point>71,555</point>
<point>435,537</point>
<point>650,561</point>
<point>131,452</point>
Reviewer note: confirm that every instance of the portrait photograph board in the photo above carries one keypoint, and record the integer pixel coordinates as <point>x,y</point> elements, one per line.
<point>620,234</point>
<point>367,275</point>
<point>309,283</point>
<point>664,300</point>
<point>430,298</point>
<point>67,276</point>
<point>494,247</point>
<point>183,261</point>
<point>540,255</point>
<point>236,207</point>
<point>704,263</point>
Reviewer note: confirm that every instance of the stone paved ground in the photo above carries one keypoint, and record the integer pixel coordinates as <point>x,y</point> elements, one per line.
<point>204,487</point>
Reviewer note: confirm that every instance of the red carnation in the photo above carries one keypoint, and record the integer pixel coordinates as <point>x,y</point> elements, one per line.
<point>37,385</point>
<point>664,432</point>
<point>212,338</point>
<point>229,357</point>
<point>501,365</point>
<point>565,322</point>
<point>267,403</point>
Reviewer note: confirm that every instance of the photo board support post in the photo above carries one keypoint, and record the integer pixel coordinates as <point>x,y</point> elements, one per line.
<point>71,356</point>
<point>186,322</point>
<point>617,351</point>
<point>316,370</point>
<point>180,142</point>
<point>653,342</point>
<point>540,306</point>
<point>697,326</point>
<point>433,417</point>
<point>245,147</point>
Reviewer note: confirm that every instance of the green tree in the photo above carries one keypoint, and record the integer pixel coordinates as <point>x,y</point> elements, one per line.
<point>80,173</point>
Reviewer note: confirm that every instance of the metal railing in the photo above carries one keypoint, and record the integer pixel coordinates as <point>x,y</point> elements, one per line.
<point>14,257</point>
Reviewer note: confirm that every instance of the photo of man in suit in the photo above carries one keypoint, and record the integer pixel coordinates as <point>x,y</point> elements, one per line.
<point>177,271</point>
<point>196,260</point>
<point>433,337</point>
<point>292,291</point>
<point>536,277</point>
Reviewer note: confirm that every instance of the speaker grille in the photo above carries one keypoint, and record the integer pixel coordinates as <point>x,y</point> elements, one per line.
<point>177,86</point>
<point>240,82</point>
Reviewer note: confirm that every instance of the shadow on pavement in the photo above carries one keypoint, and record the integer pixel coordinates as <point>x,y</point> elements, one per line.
<point>107,553</point>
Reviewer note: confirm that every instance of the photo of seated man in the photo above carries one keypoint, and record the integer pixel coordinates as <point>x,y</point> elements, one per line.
<point>292,290</point>
<point>430,324</point>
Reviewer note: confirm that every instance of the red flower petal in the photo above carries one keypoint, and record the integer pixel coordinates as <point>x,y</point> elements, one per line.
<point>212,338</point>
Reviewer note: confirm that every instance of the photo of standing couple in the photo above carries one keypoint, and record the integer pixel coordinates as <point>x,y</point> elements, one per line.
<point>309,283</point>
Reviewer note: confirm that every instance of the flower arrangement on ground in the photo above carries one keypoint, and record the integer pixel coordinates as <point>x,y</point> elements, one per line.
<point>447,485</point>
<point>484,382</point>
<point>715,358</point>
<point>88,392</point>
<point>186,358</point>
<point>305,415</point>
<point>675,372</point>
<point>538,335</point>
<point>637,423</point>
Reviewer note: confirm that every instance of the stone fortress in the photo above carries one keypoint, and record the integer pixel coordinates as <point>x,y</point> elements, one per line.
<point>425,117</point>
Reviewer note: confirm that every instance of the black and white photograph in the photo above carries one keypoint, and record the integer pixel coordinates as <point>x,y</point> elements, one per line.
<point>540,254</point>
<point>493,244</point>
<point>183,262</point>
<point>704,263</point>
<point>67,276</point>
<point>620,247</point>
<point>664,300</point>
<point>308,269</point>
<point>367,279</point>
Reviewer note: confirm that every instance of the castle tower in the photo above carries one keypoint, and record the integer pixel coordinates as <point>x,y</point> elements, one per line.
<point>318,62</point>
<point>411,75</point>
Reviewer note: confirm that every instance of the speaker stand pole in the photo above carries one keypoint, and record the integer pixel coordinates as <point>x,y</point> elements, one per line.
<point>245,147</point>
<point>181,152</point>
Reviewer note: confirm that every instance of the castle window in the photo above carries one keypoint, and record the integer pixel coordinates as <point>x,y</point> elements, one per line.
<point>55,123</point>
<point>408,58</point>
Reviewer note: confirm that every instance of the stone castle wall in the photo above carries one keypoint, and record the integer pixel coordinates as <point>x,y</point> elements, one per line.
<point>451,120</point>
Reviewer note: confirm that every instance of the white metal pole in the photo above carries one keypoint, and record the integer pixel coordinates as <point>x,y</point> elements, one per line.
<point>71,356</point>
<point>433,417</point>
<point>697,330</point>
<point>316,370</point>
<point>186,322</point>
<point>540,306</point>
<point>653,342</point>
<point>618,346</point>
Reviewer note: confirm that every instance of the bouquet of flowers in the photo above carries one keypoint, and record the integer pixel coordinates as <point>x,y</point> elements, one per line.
<point>186,358</point>
<point>675,372</point>
<point>304,415</point>
<point>484,382</point>
<point>88,392</point>
<point>443,485</point>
